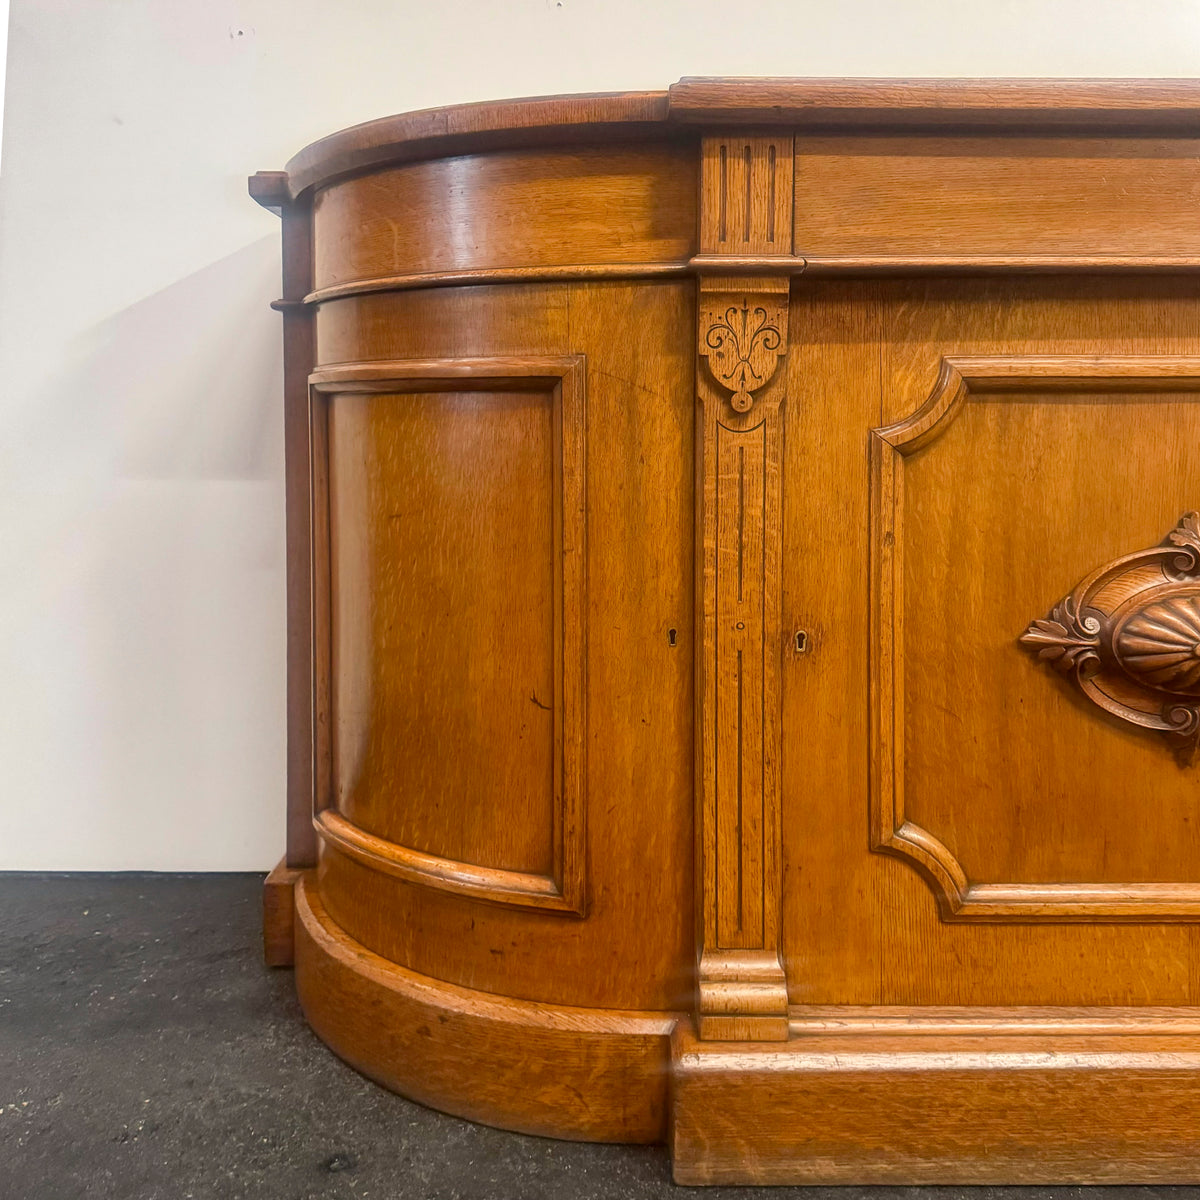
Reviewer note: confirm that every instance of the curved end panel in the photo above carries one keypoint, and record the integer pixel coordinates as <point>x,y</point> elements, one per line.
<point>586,1074</point>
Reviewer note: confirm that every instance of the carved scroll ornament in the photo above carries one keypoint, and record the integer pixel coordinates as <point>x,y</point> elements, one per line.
<point>741,347</point>
<point>1129,636</point>
<point>742,336</point>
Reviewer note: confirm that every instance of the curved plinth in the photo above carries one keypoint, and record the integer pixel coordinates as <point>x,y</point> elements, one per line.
<point>592,1074</point>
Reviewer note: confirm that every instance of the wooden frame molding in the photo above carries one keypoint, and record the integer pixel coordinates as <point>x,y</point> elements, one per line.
<point>891,830</point>
<point>270,189</point>
<point>565,889</point>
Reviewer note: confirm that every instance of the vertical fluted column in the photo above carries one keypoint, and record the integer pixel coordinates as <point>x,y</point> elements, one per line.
<point>742,333</point>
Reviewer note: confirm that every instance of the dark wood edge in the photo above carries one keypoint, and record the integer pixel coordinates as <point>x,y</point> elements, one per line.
<point>1105,106</point>
<point>270,189</point>
<point>907,104</point>
<point>469,128</point>
<point>302,683</point>
<point>279,915</point>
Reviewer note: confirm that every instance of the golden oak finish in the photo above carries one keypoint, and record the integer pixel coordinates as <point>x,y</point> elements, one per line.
<point>743,333</point>
<point>744,622</point>
<point>863,1106</point>
<point>389,659</point>
<point>279,910</point>
<point>559,1072</point>
<point>890,447</point>
<point>633,207</point>
<point>746,195</point>
<point>635,799</point>
<point>888,200</point>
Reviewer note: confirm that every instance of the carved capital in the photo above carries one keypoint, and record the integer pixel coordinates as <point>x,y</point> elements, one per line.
<point>1129,637</point>
<point>743,331</point>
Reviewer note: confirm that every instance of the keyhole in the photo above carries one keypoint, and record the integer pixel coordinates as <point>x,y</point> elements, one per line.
<point>801,641</point>
<point>671,637</point>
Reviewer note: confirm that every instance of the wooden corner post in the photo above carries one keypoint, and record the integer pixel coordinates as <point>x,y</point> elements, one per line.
<point>742,318</point>
<point>270,189</point>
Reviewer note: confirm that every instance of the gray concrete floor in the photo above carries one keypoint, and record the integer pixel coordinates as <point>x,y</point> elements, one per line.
<point>146,1052</point>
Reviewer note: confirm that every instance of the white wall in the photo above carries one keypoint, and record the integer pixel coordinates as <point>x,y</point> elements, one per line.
<point>141,517</point>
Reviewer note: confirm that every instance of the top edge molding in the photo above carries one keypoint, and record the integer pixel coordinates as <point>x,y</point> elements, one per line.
<point>1130,106</point>
<point>467,128</point>
<point>1017,104</point>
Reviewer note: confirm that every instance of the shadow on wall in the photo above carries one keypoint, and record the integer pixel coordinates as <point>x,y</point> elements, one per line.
<point>143,710</point>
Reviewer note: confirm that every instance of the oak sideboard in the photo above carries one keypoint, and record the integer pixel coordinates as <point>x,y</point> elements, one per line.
<point>744,622</point>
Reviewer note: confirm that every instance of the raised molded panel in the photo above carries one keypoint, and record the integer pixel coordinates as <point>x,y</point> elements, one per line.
<point>1017,797</point>
<point>455,664</point>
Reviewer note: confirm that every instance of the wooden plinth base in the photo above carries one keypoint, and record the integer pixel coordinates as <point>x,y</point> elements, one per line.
<point>279,915</point>
<point>864,1106</point>
<point>871,1095</point>
<point>587,1073</point>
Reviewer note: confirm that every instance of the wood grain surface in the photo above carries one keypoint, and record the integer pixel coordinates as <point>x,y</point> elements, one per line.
<point>999,1108</point>
<point>671,482</point>
<point>588,1073</point>
<point>437,788</point>
<point>630,205</point>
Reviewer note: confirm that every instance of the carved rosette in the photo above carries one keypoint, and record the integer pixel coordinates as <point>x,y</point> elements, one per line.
<point>1129,636</point>
<point>742,335</point>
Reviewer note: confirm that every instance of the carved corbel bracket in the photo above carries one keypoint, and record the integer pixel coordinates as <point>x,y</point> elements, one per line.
<point>1129,637</point>
<point>743,331</point>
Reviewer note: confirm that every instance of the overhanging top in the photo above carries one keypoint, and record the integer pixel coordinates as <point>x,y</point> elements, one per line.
<point>1109,106</point>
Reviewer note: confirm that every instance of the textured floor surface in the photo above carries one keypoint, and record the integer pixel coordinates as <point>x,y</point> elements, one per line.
<point>146,1053</point>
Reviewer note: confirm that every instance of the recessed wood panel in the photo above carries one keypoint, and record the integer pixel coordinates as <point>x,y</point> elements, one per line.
<point>1020,801</point>
<point>521,209</point>
<point>888,199</point>
<point>442,520</point>
<point>450,508</point>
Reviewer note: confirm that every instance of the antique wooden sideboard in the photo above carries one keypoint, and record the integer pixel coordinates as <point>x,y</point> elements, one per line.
<point>744,621</point>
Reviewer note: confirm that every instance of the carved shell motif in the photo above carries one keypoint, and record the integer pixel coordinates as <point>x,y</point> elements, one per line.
<point>1159,645</point>
<point>1129,637</point>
